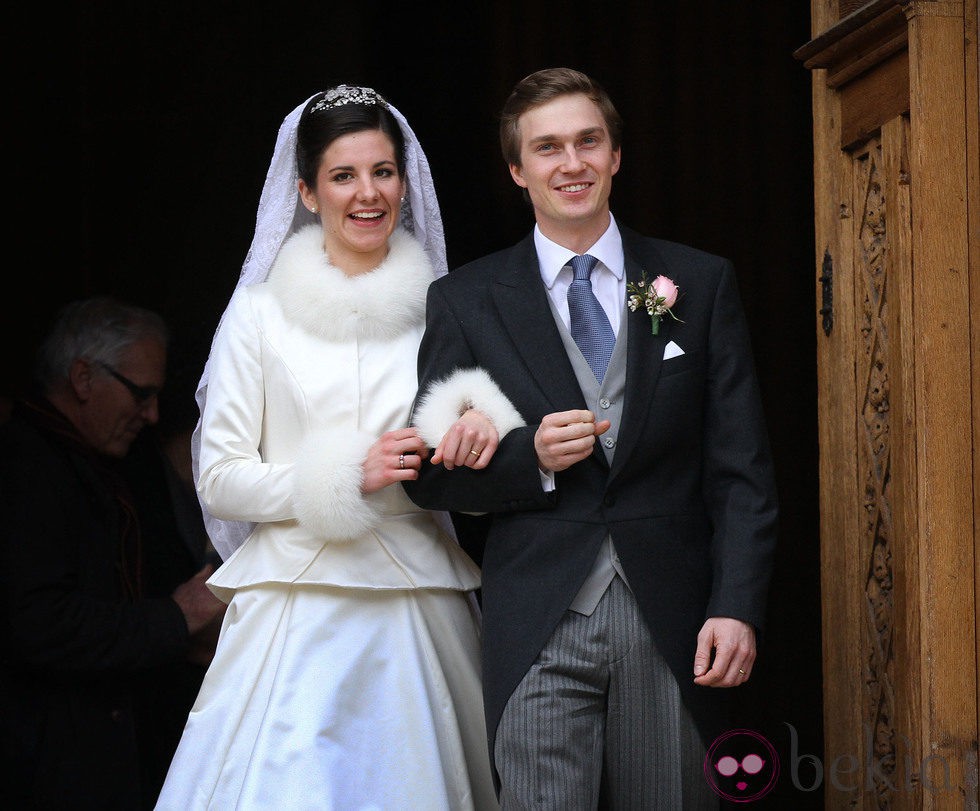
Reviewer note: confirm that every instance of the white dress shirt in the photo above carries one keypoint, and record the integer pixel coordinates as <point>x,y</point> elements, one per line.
<point>608,277</point>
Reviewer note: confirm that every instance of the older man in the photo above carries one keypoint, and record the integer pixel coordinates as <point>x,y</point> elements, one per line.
<point>78,627</point>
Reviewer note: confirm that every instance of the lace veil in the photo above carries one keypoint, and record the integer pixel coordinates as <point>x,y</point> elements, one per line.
<point>281,213</point>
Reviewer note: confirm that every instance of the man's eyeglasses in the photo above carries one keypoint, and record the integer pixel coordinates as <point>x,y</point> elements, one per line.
<point>141,394</point>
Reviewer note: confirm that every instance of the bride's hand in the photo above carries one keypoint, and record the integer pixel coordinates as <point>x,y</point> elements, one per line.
<point>471,441</point>
<point>395,457</point>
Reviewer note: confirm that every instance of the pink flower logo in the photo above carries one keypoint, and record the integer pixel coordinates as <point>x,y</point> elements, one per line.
<point>741,766</point>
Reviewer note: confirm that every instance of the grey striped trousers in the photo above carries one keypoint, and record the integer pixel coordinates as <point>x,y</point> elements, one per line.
<point>597,722</point>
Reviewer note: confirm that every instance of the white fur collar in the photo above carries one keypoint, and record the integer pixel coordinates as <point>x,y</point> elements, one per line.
<point>325,301</point>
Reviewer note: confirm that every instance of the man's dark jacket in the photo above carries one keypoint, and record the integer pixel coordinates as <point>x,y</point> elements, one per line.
<point>689,498</point>
<point>75,635</point>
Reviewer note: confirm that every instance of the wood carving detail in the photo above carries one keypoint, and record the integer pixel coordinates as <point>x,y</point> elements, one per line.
<point>875,466</point>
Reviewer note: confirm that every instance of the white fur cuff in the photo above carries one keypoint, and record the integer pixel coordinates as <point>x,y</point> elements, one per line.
<point>446,400</point>
<point>328,475</point>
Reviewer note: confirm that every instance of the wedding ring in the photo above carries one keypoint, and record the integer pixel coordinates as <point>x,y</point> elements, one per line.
<point>401,461</point>
<point>475,453</point>
<point>741,672</point>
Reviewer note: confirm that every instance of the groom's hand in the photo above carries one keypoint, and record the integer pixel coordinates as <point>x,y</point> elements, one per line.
<point>725,654</point>
<point>566,437</point>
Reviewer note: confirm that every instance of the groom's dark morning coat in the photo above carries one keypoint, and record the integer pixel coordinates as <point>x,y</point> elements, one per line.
<point>689,499</point>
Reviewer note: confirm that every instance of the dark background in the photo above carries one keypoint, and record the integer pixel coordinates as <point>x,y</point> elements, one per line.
<point>139,137</point>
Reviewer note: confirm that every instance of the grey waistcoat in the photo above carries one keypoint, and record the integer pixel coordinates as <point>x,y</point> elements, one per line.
<point>606,402</point>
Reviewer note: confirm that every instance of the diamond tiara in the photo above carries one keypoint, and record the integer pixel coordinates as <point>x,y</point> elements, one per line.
<point>345,94</point>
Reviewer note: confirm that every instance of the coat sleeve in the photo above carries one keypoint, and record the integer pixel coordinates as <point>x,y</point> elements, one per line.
<point>234,482</point>
<point>738,482</point>
<point>512,480</point>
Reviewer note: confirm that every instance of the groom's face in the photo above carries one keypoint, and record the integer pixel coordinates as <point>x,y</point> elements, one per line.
<point>567,164</point>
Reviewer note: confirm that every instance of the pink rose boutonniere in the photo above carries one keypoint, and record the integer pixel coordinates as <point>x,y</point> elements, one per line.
<point>656,297</point>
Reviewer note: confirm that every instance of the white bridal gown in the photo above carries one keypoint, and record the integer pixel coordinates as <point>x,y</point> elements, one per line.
<point>347,671</point>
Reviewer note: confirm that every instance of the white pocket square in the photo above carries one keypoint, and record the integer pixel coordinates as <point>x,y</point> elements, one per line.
<point>672,350</point>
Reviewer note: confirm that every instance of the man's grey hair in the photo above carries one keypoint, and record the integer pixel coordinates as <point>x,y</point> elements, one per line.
<point>98,329</point>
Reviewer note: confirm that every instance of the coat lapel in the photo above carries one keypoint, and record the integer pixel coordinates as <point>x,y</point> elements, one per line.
<point>644,356</point>
<point>522,302</point>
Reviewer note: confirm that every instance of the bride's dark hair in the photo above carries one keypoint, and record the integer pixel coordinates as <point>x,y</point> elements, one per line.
<point>321,124</point>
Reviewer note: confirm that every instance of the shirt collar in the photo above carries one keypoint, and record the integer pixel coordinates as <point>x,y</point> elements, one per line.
<point>552,257</point>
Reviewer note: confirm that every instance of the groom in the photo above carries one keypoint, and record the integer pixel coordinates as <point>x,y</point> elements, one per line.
<point>633,515</point>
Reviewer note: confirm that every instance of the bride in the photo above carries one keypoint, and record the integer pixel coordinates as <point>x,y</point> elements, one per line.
<point>347,671</point>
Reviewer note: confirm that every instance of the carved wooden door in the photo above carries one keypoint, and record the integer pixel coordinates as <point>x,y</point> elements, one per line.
<point>897,193</point>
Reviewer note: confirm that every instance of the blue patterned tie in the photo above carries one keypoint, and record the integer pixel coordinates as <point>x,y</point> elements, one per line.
<point>587,320</point>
